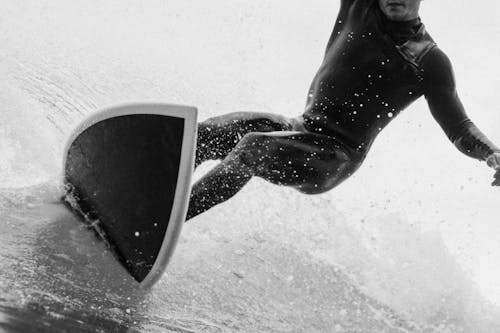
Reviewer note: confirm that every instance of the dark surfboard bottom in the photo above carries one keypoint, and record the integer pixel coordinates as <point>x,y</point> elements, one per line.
<point>125,176</point>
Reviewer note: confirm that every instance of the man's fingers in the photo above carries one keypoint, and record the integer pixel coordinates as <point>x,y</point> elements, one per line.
<point>493,161</point>
<point>496,182</point>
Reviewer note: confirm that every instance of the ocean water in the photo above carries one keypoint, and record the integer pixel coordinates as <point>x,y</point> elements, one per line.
<point>408,244</point>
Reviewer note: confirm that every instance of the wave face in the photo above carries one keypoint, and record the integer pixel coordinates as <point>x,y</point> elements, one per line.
<point>391,250</point>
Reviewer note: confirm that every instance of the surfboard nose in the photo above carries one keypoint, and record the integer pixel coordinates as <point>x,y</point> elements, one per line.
<point>128,173</point>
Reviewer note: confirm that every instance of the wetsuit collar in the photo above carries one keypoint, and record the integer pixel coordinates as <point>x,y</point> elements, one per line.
<point>401,31</point>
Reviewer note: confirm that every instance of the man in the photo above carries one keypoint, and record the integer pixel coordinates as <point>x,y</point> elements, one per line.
<point>379,59</point>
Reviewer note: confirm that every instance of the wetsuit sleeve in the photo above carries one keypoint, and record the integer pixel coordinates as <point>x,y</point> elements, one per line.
<point>344,8</point>
<point>447,109</point>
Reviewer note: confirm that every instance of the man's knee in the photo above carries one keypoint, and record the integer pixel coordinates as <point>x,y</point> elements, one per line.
<point>253,150</point>
<point>262,122</point>
<point>326,178</point>
<point>279,123</point>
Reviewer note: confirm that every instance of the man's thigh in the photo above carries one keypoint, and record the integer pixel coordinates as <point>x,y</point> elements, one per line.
<point>241,123</point>
<point>217,136</point>
<point>309,162</point>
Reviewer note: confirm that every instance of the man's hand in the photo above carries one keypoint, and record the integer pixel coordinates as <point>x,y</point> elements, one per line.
<point>493,161</point>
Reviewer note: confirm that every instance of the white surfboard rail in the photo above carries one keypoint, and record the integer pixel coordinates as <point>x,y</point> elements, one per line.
<point>186,167</point>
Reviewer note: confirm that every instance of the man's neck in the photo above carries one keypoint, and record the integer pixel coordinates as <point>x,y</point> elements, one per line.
<point>400,31</point>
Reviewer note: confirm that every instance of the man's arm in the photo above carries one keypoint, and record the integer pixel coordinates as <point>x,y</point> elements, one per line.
<point>344,8</point>
<point>447,109</point>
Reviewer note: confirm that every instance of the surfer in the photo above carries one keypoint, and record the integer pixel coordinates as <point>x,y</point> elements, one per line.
<point>378,60</point>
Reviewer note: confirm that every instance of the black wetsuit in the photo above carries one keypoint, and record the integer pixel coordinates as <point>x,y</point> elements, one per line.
<point>373,69</point>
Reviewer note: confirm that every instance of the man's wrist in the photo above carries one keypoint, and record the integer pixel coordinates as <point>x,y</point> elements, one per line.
<point>493,160</point>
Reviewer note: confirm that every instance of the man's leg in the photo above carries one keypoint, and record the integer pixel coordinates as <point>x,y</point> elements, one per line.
<point>218,185</point>
<point>308,162</point>
<point>217,136</point>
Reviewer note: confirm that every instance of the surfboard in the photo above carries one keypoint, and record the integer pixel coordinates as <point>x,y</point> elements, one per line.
<point>127,175</point>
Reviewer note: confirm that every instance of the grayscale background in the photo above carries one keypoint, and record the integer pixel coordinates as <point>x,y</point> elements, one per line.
<point>409,243</point>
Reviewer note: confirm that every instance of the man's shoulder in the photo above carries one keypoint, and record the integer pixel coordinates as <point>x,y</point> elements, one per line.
<point>436,60</point>
<point>438,70</point>
<point>417,48</point>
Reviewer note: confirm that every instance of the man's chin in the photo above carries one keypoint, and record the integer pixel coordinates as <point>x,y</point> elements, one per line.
<point>400,17</point>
